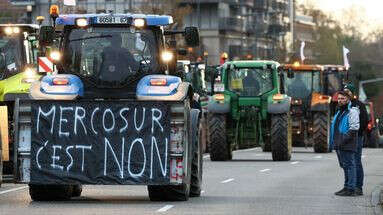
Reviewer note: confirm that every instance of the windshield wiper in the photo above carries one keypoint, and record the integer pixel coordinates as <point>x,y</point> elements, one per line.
<point>95,37</point>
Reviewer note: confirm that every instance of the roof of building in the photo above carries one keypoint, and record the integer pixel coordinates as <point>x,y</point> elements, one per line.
<point>151,20</point>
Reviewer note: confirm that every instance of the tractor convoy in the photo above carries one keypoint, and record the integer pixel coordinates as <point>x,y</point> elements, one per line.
<point>103,99</point>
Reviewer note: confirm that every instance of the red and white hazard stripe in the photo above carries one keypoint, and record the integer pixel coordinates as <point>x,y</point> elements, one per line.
<point>45,64</point>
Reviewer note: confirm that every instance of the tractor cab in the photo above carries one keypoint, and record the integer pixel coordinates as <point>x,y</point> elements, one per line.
<point>302,82</point>
<point>110,52</point>
<point>18,59</point>
<point>334,80</point>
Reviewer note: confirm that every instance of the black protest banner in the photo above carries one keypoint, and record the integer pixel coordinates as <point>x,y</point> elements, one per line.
<point>97,142</point>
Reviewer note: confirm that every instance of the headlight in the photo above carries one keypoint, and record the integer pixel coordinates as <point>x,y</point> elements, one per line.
<point>82,22</point>
<point>139,23</point>
<point>16,30</point>
<point>167,56</point>
<point>55,55</point>
<point>30,75</point>
<point>8,30</point>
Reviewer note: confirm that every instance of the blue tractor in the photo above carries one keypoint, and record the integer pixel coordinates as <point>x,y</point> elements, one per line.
<point>113,113</point>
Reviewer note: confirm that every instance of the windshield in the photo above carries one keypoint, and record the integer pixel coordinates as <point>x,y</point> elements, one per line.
<point>10,51</point>
<point>335,82</point>
<point>302,84</point>
<point>111,56</point>
<point>250,81</point>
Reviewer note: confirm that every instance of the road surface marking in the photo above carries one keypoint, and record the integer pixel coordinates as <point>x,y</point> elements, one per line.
<point>295,162</point>
<point>202,191</point>
<point>264,170</point>
<point>245,150</point>
<point>206,156</point>
<point>14,189</point>
<point>319,156</point>
<point>227,181</point>
<point>165,208</point>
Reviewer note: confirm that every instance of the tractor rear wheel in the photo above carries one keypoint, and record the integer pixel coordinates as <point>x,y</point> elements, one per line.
<point>281,137</point>
<point>321,132</point>
<point>220,149</point>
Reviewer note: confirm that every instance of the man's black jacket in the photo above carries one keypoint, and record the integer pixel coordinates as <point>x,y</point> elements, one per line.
<point>363,116</point>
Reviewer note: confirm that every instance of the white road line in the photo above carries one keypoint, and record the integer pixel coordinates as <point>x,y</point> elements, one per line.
<point>227,181</point>
<point>165,208</point>
<point>14,189</point>
<point>206,156</point>
<point>264,170</point>
<point>295,162</point>
<point>245,150</point>
<point>319,156</point>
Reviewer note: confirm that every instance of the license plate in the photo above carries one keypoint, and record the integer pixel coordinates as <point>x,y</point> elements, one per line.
<point>219,87</point>
<point>112,20</point>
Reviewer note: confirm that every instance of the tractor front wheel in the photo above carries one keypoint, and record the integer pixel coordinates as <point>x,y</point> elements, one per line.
<point>281,137</point>
<point>321,130</point>
<point>220,149</point>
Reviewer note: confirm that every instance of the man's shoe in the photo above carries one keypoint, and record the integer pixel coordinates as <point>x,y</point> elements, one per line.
<point>348,192</point>
<point>358,191</point>
<point>340,191</point>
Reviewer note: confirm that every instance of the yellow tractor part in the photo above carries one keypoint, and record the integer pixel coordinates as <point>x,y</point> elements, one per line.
<point>4,132</point>
<point>318,98</point>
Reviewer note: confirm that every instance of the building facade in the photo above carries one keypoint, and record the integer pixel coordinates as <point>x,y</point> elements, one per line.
<point>244,29</point>
<point>251,29</point>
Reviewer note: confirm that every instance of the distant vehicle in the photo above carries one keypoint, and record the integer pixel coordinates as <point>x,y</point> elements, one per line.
<point>251,110</point>
<point>312,88</point>
<point>371,138</point>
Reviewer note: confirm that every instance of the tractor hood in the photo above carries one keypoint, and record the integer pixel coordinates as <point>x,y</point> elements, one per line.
<point>17,84</point>
<point>249,101</point>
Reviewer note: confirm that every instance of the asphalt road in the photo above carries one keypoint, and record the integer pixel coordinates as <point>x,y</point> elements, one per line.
<point>250,184</point>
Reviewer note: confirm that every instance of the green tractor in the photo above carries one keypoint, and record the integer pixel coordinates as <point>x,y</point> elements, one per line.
<point>252,110</point>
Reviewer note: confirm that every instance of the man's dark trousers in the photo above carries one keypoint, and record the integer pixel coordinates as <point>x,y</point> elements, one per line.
<point>349,167</point>
<point>358,163</point>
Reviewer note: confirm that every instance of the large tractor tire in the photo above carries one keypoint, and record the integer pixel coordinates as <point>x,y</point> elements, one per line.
<point>197,162</point>
<point>281,137</point>
<point>183,191</point>
<point>321,132</point>
<point>50,192</point>
<point>220,149</point>
<point>76,190</point>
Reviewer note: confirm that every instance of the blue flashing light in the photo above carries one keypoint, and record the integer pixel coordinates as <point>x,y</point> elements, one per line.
<point>144,87</point>
<point>74,86</point>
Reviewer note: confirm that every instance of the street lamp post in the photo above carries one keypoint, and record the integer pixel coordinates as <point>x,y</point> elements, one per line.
<point>29,14</point>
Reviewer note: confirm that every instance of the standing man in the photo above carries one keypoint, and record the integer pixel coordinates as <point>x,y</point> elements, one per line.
<point>344,136</point>
<point>363,119</point>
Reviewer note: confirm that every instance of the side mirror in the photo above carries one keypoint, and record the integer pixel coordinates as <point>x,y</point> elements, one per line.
<point>290,73</point>
<point>3,61</point>
<point>191,35</point>
<point>46,36</point>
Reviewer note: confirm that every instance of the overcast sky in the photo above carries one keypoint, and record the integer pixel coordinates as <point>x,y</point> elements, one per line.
<point>373,10</point>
